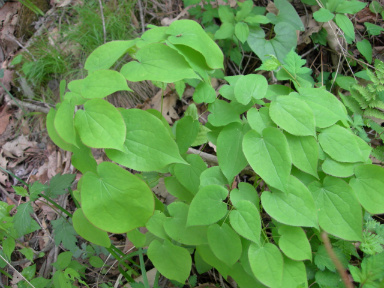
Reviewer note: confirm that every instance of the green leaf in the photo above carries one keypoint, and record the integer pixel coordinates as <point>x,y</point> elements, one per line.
<point>100,125</point>
<point>225,31</point>
<point>186,132</point>
<point>158,62</point>
<point>189,174</point>
<point>270,64</point>
<point>176,226</point>
<point>229,150</point>
<point>338,169</point>
<point>365,48</point>
<point>114,194</point>
<point>346,26</point>
<point>88,231</point>
<point>294,243</point>
<point>172,261</point>
<point>155,225</point>
<point>175,188</point>
<point>250,86</point>
<point>374,7</point>
<point>208,207</point>
<point>350,7</point>
<point>224,243</point>
<point>137,238</point>
<point>28,253</point>
<point>322,259</point>
<point>204,93</point>
<point>53,133</point>
<point>323,15</point>
<point>96,261</point>
<point>259,119</point>
<point>191,34</point>
<point>246,192</point>
<point>242,31</point>
<point>99,84</point>
<point>293,115</point>
<point>343,146</point>
<point>104,56</point>
<point>294,274</point>
<point>207,255</point>
<point>327,278</point>
<point>20,191</point>
<point>148,145</point>
<point>245,9</point>
<point>267,264</point>
<point>338,209</point>
<point>222,113</point>
<point>268,154</point>
<point>226,14</point>
<point>213,175</point>
<point>59,184</point>
<point>325,106</point>
<point>305,153</point>
<point>64,233</point>
<point>373,30</point>
<point>9,245</point>
<point>64,122</point>
<point>246,220</point>
<point>23,221</point>
<point>284,41</point>
<point>369,187</point>
<point>296,207</point>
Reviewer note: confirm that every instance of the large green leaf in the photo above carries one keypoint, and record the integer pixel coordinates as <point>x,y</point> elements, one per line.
<point>369,187</point>
<point>158,62</point>
<point>294,243</point>
<point>268,154</point>
<point>284,41</point>
<point>224,243</point>
<point>148,145</point>
<point>296,207</point>
<point>222,113</point>
<point>104,56</point>
<point>338,169</point>
<point>55,137</point>
<point>65,124</point>
<point>338,209</point>
<point>189,174</point>
<point>208,207</point>
<point>229,150</point>
<point>288,14</point>
<point>294,274</point>
<point>155,224</point>
<point>204,93</point>
<point>99,84</point>
<point>213,175</point>
<point>346,26</point>
<point>175,188</point>
<point>259,119</point>
<point>305,153</point>
<point>88,231</point>
<point>293,115</point>
<point>242,31</point>
<point>100,125</point>
<point>246,220</point>
<point>114,194</point>
<point>267,264</point>
<point>191,34</point>
<point>343,146</point>
<point>325,106</point>
<point>209,257</point>
<point>176,226</point>
<point>250,86</point>
<point>186,132</point>
<point>172,261</point>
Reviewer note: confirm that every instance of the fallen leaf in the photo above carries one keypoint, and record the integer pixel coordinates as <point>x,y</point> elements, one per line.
<point>3,164</point>
<point>17,146</point>
<point>4,119</point>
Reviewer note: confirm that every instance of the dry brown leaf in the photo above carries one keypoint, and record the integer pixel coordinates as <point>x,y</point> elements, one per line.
<point>45,208</point>
<point>17,146</point>
<point>311,26</point>
<point>272,8</point>
<point>3,164</point>
<point>4,119</point>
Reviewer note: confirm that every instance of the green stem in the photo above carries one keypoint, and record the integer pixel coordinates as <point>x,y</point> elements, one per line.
<point>56,205</point>
<point>157,276</point>
<point>142,267</point>
<point>13,175</point>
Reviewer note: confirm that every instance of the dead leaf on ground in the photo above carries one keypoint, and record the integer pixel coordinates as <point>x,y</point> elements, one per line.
<point>17,147</point>
<point>4,118</point>
<point>46,210</point>
<point>311,26</point>
<point>3,164</point>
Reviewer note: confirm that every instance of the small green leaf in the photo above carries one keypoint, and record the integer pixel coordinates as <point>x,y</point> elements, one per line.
<point>338,209</point>
<point>100,125</point>
<point>294,243</point>
<point>222,113</point>
<point>99,84</point>
<point>64,122</point>
<point>186,132</point>
<point>323,15</point>
<point>338,169</point>
<point>65,233</point>
<point>155,225</point>
<point>350,7</point>
<point>88,231</point>
<point>246,192</point>
<point>293,115</point>
<point>172,261</point>
<point>343,146</point>
<point>305,152</point>
<point>189,174</point>
<point>104,56</point>
<point>157,62</point>
<point>226,31</point>
<point>294,274</point>
<point>224,243</point>
<point>53,133</point>
<point>22,220</point>
<point>9,245</point>
<point>229,150</point>
<point>28,253</point>
<point>296,207</point>
<point>148,145</point>
<point>268,154</point>
<point>226,14</point>
<point>369,187</point>
<point>114,194</point>
<point>374,7</point>
<point>365,48</point>
<point>213,175</point>
<point>20,191</point>
<point>267,264</point>
<point>259,119</point>
<point>346,26</point>
<point>204,93</point>
<point>250,86</point>
<point>96,261</point>
<point>241,31</point>
<point>208,207</point>
<point>373,30</point>
<point>175,188</point>
<point>246,220</point>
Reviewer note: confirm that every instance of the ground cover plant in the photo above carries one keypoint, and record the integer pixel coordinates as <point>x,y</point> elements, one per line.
<point>292,198</point>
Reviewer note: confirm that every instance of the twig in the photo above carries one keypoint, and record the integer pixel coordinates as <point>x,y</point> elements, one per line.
<point>8,195</point>
<point>210,159</point>
<point>336,261</point>
<point>141,16</point>
<point>103,20</point>
<point>30,106</point>
<point>13,38</point>
<point>5,260</point>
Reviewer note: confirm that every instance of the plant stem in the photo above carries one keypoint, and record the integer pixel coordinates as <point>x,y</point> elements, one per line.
<point>142,267</point>
<point>56,205</point>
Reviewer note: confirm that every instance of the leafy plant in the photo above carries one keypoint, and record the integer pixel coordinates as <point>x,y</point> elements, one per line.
<point>313,173</point>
